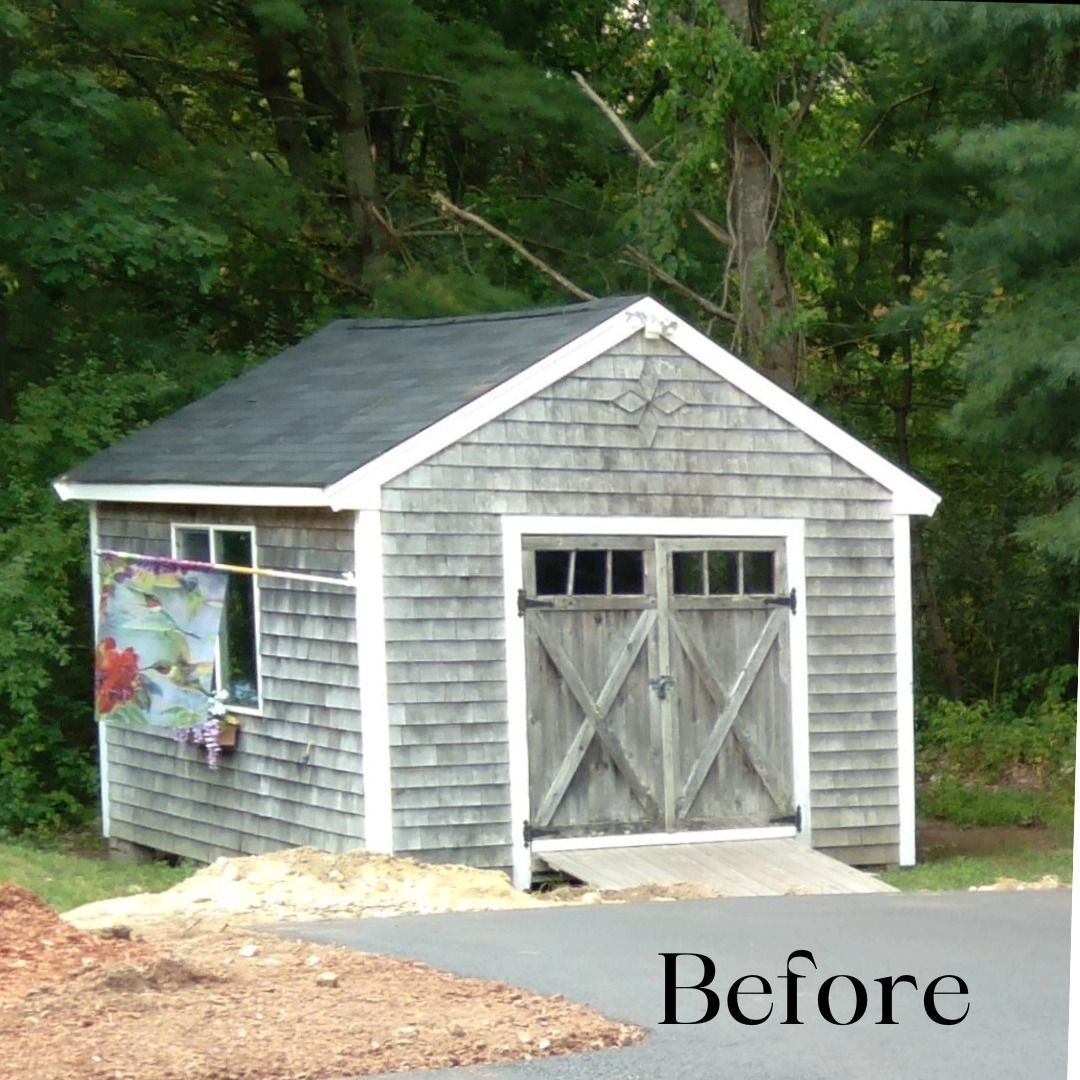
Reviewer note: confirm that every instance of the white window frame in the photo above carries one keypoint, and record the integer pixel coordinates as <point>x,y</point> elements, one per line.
<point>174,530</point>
<point>792,533</point>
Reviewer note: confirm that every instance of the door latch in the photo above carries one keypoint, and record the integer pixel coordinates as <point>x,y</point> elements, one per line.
<point>782,601</point>
<point>660,684</point>
<point>524,602</point>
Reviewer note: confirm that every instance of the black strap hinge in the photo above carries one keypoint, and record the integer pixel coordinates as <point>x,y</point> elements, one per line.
<point>530,832</point>
<point>783,601</point>
<point>794,819</point>
<point>524,602</point>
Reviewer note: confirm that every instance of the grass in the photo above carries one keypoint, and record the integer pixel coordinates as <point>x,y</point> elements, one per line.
<point>67,877</point>
<point>963,871</point>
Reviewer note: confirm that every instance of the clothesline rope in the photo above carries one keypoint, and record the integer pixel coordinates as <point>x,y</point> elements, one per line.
<point>346,580</point>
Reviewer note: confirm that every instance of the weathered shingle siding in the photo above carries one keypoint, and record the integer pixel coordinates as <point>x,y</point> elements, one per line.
<point>570,451</point>
<point>297,777</point>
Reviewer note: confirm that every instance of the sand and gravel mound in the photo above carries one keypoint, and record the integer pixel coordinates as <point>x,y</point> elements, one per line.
<point>305,884</point>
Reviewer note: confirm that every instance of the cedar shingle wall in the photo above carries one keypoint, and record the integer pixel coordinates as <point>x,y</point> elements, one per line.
<point>571,451</point>
<point>297,777</point>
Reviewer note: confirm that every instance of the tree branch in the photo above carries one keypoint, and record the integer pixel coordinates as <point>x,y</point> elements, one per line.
<point>636,148</point>
<point>444,204</point>
<point>703,302</point>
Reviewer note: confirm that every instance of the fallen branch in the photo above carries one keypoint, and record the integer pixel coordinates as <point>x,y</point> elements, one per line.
<point>444,204</point>
<point>704,302</point>
<point>710,226</point>
<point>638,150</point>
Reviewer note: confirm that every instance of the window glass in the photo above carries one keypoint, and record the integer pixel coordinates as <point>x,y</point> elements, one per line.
<point>237,668</point>
<point>193,544</point>
<point>688,573</point>
<point>590,573</point>
<point>238,652</point>
<point>758,574</point>
<point>552,572</point>
<point>627,573</point>
<point>723,573</point>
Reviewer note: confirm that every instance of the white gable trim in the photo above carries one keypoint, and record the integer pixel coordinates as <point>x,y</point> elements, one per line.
<point>198,494</point>
<point>360,489</point>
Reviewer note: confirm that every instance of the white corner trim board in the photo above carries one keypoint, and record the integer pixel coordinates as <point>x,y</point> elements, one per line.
<point>515,527</point>
<point>374,707</point>
<point>102,729</point>
<point>905,689</point>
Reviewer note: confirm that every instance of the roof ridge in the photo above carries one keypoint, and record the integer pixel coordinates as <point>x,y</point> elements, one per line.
<point>599,303</point>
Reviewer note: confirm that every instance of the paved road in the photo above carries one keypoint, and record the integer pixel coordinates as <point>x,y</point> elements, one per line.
<point>1012,949</point>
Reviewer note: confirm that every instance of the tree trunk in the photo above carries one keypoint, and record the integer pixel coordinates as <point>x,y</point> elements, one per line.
<point>925,598</point>
<point>351,123</point>
<point>286,109</point>
<point>766,294</point>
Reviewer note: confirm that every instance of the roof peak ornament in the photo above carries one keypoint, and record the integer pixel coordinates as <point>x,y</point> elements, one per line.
<point>655,326</point>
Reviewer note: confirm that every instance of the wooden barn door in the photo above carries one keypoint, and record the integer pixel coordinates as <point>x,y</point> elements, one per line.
<point>656,684</point>
<point>593,725</point>
<point>726,621</point>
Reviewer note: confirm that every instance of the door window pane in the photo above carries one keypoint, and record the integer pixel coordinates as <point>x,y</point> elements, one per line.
<point>688,573</point>
<point>723,573</point>
<point>627,573</point>
<point>758,573</point>
<point>552,572</point>
<point>590,573</point>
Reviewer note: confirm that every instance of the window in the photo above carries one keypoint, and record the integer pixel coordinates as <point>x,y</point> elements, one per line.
<point>238,654</point>
<point>723,573</point>
<point>590,572</point>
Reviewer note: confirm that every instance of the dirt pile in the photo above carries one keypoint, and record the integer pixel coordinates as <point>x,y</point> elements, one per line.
<point>304,884</point>
<point>38,948</point>
<point>226,1006</point>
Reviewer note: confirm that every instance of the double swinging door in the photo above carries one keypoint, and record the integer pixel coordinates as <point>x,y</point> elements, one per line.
<point>657,684</point>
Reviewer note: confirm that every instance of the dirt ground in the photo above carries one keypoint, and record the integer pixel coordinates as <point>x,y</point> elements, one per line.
<point>942,839</point>
<point>172,1001</point>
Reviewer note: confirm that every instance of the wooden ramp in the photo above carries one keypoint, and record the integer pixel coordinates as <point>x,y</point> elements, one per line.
<point>732,868</point>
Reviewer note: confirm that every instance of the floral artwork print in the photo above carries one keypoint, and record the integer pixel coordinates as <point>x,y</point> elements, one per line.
<point>158,625</point>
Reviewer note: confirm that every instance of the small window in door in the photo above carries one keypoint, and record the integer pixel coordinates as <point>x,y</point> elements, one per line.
<point>723,573</point>
<point>758,573</point>
<point>589,572</point>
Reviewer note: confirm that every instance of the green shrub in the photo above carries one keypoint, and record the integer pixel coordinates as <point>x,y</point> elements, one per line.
<point>1007,762</point>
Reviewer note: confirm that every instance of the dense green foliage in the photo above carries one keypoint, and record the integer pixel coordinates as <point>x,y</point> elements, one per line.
<point>1010,761</point>
<point>874,201</point>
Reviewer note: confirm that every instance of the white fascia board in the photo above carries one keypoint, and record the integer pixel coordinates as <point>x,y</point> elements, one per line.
<point>197,494</point>
<point>905,687</point>
<point>102,729</point>
<point>360,488</point>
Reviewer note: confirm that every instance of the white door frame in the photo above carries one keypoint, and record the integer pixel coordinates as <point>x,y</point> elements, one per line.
<point>514,528</point>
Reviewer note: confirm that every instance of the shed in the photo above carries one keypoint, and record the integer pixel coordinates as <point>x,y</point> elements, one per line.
<point>613,587</point>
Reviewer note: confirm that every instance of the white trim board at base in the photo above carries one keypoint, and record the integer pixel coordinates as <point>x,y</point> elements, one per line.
<point>515,527</point>
<point>713,836</point>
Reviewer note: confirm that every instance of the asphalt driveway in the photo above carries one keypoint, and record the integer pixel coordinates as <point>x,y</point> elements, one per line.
<point>1011,949</point>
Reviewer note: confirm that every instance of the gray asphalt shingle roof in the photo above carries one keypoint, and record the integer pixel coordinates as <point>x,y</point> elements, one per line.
<point>340,398</point>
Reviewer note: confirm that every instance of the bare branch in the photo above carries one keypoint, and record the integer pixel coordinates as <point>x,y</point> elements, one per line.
<point>702,301</point>
<point>885,114</point>
<point>637,149</point>
<point>444,204</point>
<point>720,235</point>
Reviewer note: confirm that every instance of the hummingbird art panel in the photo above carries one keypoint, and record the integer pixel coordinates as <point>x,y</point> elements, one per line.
<point>158,627</point>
